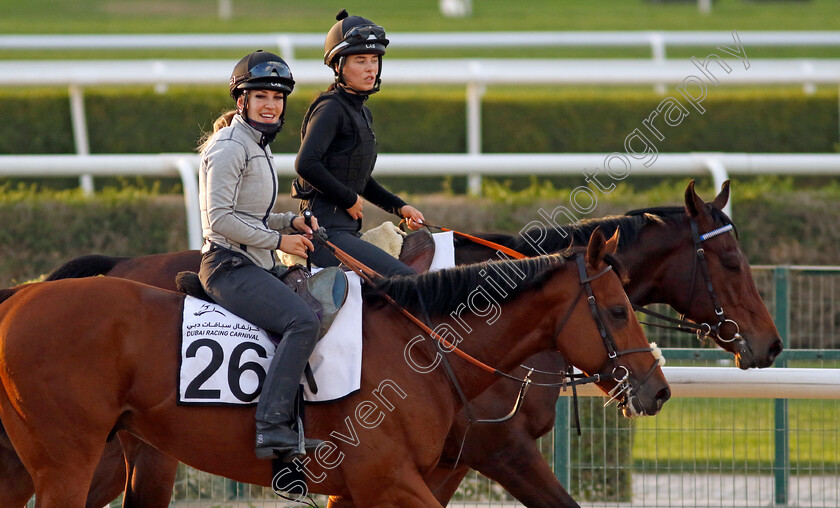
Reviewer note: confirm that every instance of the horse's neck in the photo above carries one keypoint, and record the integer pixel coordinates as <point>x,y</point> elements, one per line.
<point>645,260</point>
<point>519,332</point>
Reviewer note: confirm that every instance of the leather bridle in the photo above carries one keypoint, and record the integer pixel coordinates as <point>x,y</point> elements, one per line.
<point>623,390</point>
<point>703,330</point>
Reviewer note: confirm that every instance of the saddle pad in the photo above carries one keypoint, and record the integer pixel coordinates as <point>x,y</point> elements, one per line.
<point>444,251</point>
<point>224,359</point>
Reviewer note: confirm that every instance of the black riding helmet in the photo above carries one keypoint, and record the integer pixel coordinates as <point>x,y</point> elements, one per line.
<point>262,70</point>
<point>353,35</point>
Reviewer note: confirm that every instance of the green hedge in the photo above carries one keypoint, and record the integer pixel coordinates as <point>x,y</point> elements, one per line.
<point>134,120</point>
<point>41,230</point>
<point>734,121</point>
<point>778,221</point>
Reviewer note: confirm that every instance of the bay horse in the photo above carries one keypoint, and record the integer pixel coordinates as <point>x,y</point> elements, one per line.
<point>657,249</point>
<point>83,358</point>
<point>659,252</point>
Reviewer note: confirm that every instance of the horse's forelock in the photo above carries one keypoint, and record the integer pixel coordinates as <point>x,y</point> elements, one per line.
<point>618,268</point>
<point>610,259</point>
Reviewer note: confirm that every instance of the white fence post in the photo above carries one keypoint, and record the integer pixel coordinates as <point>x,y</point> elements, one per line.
<point>189,179</point>
<point>475,91</point>
<point>225,9</point>
<point>80,133</point>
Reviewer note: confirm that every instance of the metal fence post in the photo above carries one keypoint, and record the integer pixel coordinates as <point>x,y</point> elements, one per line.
<point>562,452</point>
<point>781,438</point>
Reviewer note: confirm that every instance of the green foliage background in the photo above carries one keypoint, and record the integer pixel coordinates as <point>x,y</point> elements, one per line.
<point>778,221</point>
<point>138,120</point>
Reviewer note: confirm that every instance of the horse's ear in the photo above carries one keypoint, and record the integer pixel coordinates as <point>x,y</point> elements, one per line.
<point>722,197</point>
<point>612,243</point>
<point>596,249</point>
<point>693,204</point>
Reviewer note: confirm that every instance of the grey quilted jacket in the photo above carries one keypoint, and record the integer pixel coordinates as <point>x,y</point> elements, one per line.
<point>237,190</point>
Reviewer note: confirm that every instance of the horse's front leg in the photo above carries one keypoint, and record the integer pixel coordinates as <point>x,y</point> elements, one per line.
<point>524,473</point>
<point>444,481</point>
<point>151,474</point>
<point>403,486</point>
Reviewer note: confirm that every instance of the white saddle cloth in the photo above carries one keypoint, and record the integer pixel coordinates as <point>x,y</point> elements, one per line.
<point>224,358</point>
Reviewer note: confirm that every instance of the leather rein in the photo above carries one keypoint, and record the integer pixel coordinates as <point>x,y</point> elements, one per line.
<point>368,275</point>
<point>702,330</point>
<point>620,373</point>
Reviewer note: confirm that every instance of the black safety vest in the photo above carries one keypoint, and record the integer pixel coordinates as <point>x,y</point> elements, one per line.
<point>351,166</point>
<point>354,165</point>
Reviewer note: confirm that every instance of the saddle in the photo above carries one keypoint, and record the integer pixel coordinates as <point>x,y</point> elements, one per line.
<point>418,251</point>
<point>324,292</point>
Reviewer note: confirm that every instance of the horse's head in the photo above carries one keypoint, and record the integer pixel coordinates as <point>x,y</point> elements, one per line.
<point>608,339</point>
<point>706,276</point>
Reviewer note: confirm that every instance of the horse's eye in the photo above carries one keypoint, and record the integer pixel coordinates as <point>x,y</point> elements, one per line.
<point>618,312</point>
<point>731,261</point>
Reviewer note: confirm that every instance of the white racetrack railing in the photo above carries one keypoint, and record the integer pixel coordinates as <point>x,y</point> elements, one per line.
<point>288,43</point>
<point>733,383</point>
<point>438,71</point>
<point>475,74</point>
<point>719,165</point>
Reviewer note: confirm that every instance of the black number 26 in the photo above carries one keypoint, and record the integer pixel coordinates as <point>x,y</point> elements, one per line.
<point>234,370</point>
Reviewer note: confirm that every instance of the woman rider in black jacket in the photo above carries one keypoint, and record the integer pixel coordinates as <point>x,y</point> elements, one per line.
<point>338,148</point>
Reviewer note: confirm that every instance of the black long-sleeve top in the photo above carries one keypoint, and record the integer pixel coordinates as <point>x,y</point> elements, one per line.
<point>338,152</point>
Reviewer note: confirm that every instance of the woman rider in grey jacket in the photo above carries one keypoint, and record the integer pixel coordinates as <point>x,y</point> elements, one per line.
<point>338,148</point>
<point>237,191</point>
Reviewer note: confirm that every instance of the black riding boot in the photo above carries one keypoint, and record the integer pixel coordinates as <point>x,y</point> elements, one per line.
<point>275,409</point>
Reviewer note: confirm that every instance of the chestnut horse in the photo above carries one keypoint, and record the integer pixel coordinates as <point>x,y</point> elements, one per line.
<point>657,250</point>
<point>660,255</point>
<point>83,358</point>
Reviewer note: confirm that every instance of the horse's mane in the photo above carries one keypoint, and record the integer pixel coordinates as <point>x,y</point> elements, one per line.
<point>85,266</point>
<point>630,225</point>
<point>6,293</point>
<point>443,291</point>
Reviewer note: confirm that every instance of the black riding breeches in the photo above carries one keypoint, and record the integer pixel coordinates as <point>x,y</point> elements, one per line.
<point>369,254</point>
<point>257,296</point>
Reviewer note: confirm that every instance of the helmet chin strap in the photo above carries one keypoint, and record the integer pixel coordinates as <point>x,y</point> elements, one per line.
<point>268,129</point>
